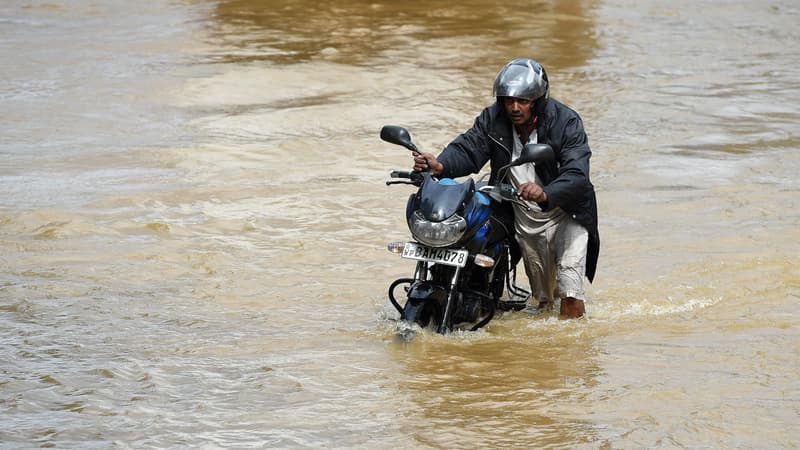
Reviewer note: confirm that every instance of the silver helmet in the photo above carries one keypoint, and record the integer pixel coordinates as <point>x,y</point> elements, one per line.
<point>523,78</point>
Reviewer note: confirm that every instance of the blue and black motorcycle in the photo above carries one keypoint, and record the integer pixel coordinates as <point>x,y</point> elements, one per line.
<point>465,254</point>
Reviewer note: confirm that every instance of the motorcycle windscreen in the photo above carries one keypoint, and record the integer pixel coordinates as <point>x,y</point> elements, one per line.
<point>440,200</point>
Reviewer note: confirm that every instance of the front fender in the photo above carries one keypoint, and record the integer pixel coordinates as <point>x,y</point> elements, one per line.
<point>426,302</point>
<point>427,290</point>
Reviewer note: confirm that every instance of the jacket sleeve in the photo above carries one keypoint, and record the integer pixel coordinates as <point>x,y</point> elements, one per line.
<point>469,152</point>
<point>568,189</point>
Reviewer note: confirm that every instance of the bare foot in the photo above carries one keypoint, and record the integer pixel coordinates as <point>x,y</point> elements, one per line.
<point>572,308</point>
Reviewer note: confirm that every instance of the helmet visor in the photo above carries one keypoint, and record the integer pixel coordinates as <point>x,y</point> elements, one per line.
<point>520,81</point>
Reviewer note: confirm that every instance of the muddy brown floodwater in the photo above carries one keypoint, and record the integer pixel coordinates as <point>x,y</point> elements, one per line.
<point>194,219</point>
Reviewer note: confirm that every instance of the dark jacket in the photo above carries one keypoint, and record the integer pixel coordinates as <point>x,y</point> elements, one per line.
<point>566,181</point>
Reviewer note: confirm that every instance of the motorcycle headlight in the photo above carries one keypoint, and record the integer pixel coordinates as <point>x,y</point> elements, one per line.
<point>437,234</point>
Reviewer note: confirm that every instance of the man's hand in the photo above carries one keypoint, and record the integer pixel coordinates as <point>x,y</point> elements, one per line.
<point>426,161</point>
<point>532,192</point>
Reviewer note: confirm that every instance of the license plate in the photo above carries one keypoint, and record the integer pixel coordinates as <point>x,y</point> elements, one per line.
<point>445,256</point>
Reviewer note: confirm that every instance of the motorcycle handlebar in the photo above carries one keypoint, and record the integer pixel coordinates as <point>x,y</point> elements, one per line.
<point>414,178</point>
<point>504,192</point>
<point>500,192</point>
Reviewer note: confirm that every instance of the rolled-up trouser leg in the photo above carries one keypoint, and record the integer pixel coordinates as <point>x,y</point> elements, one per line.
<point>555,261</point>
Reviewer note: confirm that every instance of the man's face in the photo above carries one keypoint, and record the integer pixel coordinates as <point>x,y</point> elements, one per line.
<point>518,109</point>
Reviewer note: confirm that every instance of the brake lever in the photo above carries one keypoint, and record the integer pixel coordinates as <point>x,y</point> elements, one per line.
<point>520,203</point>
<point>504,193</point>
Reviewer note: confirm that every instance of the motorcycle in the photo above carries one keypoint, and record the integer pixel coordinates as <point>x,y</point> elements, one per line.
<point>465,255</point>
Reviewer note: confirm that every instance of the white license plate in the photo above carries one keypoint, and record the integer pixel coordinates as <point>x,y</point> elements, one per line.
<point>445,256</point>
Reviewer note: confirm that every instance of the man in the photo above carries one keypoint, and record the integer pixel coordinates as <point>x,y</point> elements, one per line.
<point>558,237</point>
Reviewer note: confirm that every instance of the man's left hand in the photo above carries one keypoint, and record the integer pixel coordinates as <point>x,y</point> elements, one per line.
<point>532,192</point>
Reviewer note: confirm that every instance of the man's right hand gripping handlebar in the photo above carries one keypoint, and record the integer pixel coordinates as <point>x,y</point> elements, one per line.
<point>424,162</point>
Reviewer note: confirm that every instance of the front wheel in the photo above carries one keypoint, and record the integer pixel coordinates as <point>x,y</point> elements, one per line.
<point>417,311</point>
